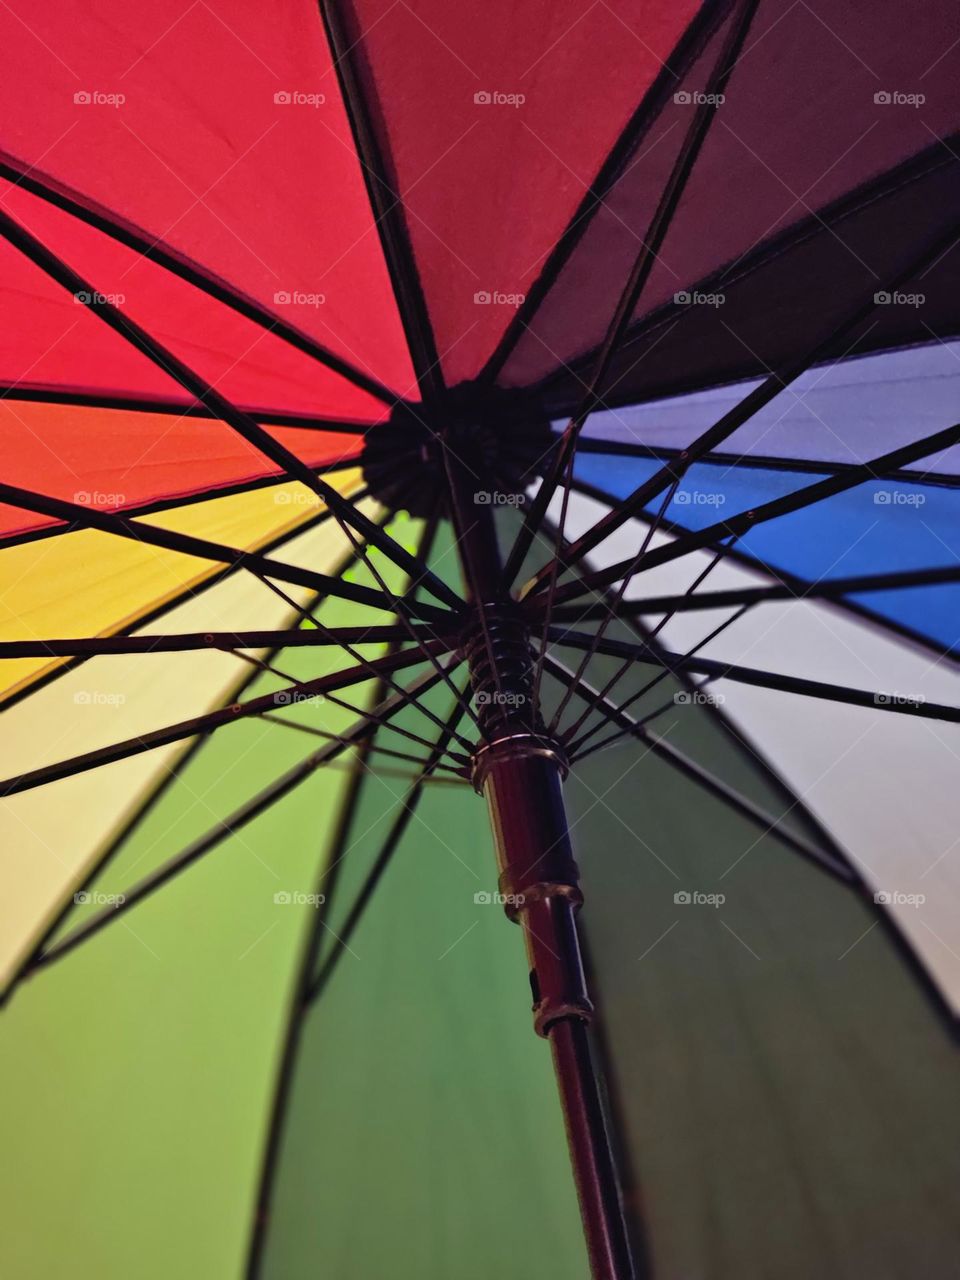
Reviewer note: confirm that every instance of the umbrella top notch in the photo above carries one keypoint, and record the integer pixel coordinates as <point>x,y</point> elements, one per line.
<point>502,439</point>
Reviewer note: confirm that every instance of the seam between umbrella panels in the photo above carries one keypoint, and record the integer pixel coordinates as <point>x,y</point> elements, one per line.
<point>386,206</point>
<point>45,393</point>
<point>177,501</point>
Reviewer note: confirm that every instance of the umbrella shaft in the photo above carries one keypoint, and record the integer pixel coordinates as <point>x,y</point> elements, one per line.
<point>519,770</point>
<point>521,778</point>
<point>594,1170</point>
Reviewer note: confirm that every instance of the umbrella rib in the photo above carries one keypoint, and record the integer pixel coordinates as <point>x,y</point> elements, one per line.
<point>937,155</point>
<point>779,576</point>
<point>576,748</point>
<point>902,704</point>
<point>823,589</point>
<point>314,732</point>
<point>236,821</point>
<point>242,423</point>
<point>34,393</point>
<point>691,44</point>
<point>167,606</point>
<point>180,501</point>
<point>369,664</point>
<point>408,807</point>
<point>171,540</point>
<point>228,641</point>
<point>734,799</point>
<point>744,521</point>
<point>756,461</point>
<point>177,264</point>
<point>55,530</point>
<point>663,622</point>
<point>327,883</point>
<point>605,621</point>
<point>424,646</point>
<point>670,197</point>
<point>776,381</point>
<point>200,724</point>
<point>387,208</point>
<point>424,552</point>
<point>156,793</point>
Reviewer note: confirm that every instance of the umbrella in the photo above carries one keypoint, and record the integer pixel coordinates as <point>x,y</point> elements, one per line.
<point>554,402</point>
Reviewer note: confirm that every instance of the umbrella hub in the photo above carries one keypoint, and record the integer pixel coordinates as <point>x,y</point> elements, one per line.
<point>499,436</point>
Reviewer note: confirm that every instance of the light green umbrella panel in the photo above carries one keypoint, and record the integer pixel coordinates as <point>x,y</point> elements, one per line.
<point>144,1066</point>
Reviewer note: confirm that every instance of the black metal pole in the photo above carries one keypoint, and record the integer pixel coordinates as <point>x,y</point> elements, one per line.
<point>520,772</point>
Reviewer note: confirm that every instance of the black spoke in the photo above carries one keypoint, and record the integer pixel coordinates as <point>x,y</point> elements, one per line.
<point>146,246</point>
<point>313,732</point>
<point>33,392</point>
<point>755,461</point>
<point>824,349</point>
<point>408,808</point>
<point>387,206</point>
<point>738,525</point>
<point>576,747</point>
<point>91,646</point>
<point>691,44</point>
<point>207,722</point>
<point>113,522</point>
<point>869,613</point>
<point>241,422</point>
<point>562,457</point>
<point>605,622</point>
<point>627,663</point>
<point>903,704</point>
<point>768,823</point>
<point>236,821</point>
<point>823,589</point>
